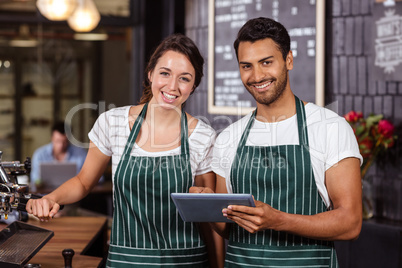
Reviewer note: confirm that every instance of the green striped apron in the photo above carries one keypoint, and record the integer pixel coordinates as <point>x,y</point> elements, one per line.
<point>281,176</point>
<point>147,230</point>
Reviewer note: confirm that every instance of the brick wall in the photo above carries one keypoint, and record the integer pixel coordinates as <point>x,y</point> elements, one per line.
<point>350,81</point>
<point>196,25</point>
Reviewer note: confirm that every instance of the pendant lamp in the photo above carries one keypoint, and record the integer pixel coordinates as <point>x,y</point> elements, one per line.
<point>23,39</point>
<point>85,17</point>
<point>56,9</point>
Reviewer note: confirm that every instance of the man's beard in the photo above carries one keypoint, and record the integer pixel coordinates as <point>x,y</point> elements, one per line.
<point>269,97</point>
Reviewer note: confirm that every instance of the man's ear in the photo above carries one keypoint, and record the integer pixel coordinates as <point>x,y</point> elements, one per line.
<point>289,60</point>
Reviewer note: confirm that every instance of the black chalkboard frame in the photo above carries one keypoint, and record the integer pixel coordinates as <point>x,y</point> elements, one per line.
<point>319,63</point>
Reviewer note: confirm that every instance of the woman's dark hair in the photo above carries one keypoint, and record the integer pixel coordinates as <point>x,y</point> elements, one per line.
<point>261,28</point>
<point>178,43</point>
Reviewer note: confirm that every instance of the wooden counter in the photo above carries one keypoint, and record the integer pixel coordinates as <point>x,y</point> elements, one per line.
<point>85,235</point>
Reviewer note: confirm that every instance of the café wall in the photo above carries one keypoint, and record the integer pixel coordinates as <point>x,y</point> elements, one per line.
<point>350,28</point>
<point>352,83</point>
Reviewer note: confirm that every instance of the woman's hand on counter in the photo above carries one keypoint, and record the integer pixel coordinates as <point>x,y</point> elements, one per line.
<point>43,208</point>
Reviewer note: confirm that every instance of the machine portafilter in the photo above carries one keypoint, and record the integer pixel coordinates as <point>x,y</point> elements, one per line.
<point>12,194</point>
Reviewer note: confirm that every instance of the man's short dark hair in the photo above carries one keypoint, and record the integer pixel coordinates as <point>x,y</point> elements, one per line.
<point>262,28</point>
<point>59,126</point>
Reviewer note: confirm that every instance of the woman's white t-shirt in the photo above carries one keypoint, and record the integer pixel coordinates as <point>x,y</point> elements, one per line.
<point>111,131</point>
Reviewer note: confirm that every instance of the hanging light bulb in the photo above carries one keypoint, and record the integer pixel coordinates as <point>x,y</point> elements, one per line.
<point>85,17</point>
<point>56,9</point>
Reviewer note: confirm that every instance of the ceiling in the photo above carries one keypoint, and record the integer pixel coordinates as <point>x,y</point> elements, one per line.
<point>16,13</point>
<point>119,8</point>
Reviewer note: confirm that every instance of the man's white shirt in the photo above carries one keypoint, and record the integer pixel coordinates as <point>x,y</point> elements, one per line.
<point>330,137</point>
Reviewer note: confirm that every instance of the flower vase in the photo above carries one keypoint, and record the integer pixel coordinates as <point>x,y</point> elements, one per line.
<point>367,198</point>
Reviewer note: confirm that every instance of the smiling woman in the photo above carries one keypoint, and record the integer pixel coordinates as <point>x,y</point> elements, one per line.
<point>183,46</point>
<point>172,81</point>
<point>156,149</point>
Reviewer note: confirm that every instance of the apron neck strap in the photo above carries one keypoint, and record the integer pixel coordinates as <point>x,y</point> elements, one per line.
<point>185,149</point>
<point>137,126</point>
<point>301,124</point>
<point>135,130</point>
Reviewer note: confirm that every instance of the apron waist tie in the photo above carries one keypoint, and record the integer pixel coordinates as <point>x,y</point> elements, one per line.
<point>149,257</point>
<point>243,254</point>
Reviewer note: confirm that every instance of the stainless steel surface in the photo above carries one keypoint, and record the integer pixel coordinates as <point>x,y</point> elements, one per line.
<point>3,173</point>
<point>11,194</point>
<point>19,242</point>
<point>32,265</point>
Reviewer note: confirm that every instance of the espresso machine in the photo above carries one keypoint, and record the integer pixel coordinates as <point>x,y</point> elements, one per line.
<point>19,241</point>
<point>13,196</point>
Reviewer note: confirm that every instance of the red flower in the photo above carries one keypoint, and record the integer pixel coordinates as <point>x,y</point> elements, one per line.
<point>385,128</point>
<point>353,116</point>
<point>366,146</point>
<point>374,136</point>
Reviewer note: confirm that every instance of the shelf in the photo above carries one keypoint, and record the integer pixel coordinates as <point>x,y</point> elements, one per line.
<point>45,97</point>
<point>6,96</point>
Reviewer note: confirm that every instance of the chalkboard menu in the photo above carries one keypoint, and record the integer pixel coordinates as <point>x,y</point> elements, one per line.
<point>387,44</point>
<point>227,94</point>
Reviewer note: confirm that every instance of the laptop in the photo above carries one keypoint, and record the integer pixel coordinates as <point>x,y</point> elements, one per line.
<point>54,174</point>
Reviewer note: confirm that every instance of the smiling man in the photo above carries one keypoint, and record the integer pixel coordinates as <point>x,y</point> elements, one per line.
<point>301,163</point>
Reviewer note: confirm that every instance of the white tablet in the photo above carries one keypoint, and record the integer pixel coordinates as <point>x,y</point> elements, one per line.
<point>208,207</point>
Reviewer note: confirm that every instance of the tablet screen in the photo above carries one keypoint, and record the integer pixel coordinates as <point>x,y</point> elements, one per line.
<point>208,207</point>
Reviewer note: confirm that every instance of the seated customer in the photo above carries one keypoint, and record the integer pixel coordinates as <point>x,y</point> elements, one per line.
<point>59,150</point>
